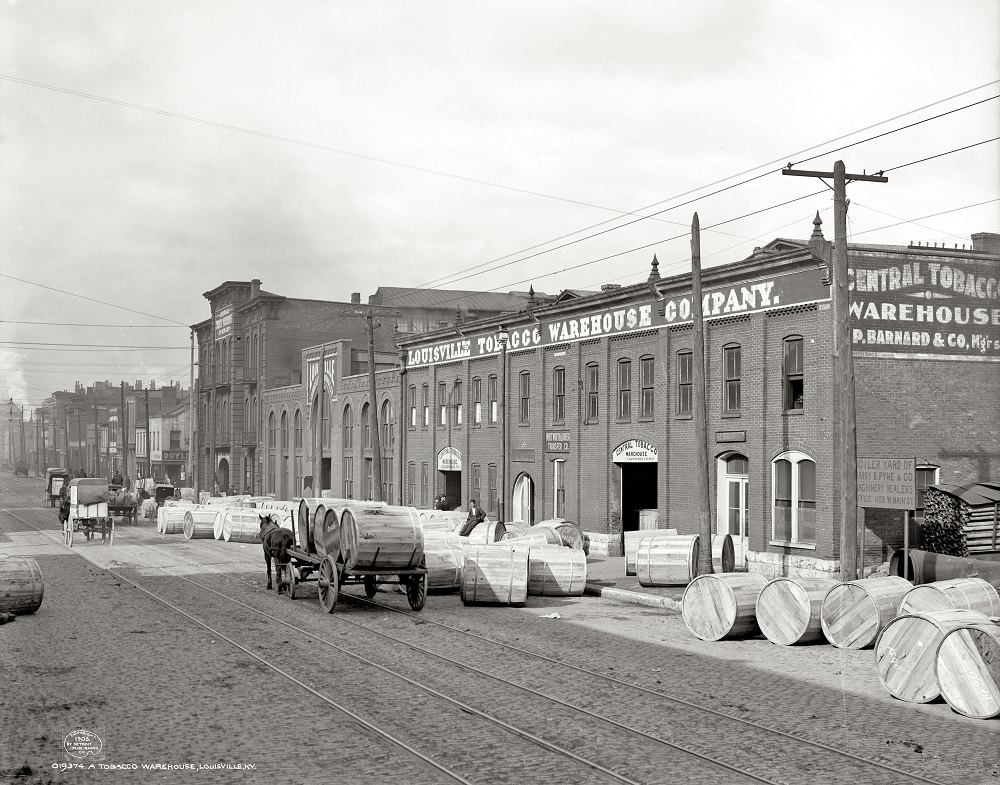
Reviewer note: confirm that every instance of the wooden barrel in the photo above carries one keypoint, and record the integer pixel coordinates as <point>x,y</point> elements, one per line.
<point>973,594</point>
<point>722,605</point>
<point>926,567</point>
<point>967,667</point>
<point>444,558</point>
<point>723,554</point>
<point>199,522</point>
<point>515,529</point>
<point>556,571</point>
<point>667,561</point>
<point>215,500</point>
<point>543,537</point>
<point>220,521</point>
<point>906,650</point>
<point>495,574</point>
<point>854,613</point>
<point>788,609</point>
<point>632,539</point>
<point>173,519</point>
<point>376,536</point>
<point>487,533</point>
<point>21,585</point>
<point>241,526</point>
<point>286,509</point>
<point>326,533</point>
<point>570,534</point>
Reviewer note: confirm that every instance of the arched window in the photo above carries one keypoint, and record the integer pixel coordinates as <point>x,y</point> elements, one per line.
<point>347,431</point>
<point>284,430</point>
<point>298,427</point>
<point>388,426</point>
<point>366,426</point>
<point>271,436</point>
<point>793,489</point>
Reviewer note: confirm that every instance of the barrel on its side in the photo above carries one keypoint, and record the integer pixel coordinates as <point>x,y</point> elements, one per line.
<point>515,529</point>
<point>722,605</point>
<point>241,526</point>
<point>21,585</point>
<point>326,533</point>
<point>854,613</point>
<point>495,574</point>
<point>967,667</point>
<point>444,559</point>
<point>199,522</point>
<point>556,571</point>
<point>220,521</point>
<point>788,609</point>
<point>973,594</point>
<point>906,650</point>
<point>377,536</point>
<point>723,554</point>
<point>542,537</point>
<point>667,561</point>
<point>632,539</point>
<point>487,533</point>
<point>173,519</point>
<point>569,533</point>
<point>303,522</point>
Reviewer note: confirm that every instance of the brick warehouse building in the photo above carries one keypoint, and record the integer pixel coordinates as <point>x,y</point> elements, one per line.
<point>594,394</point>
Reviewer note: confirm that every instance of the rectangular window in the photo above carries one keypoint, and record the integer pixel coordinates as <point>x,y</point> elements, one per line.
<point>559,395</point>
<point>175,440</point>
<point>559,483</point>
<point>646,387</point>
<point>491,391</point>
<point>684,383</point>
<point>477,481</point>
<point>783,501</point>
<point>925,477</point>
<point>348,478</point>
<point>732,362</point>
<point>794,505</point>
<point>491,478</point>
<point>423,486</point>
<point>425,392</point>
<point>411,484</point>
<point>442,403</point>
<point>592,393</point>
<point>624,390</point>
<point>477,401</point>
<point>794,398</point>
<point>525,385</point>
<point>458,403</point>
<point>412,396</point>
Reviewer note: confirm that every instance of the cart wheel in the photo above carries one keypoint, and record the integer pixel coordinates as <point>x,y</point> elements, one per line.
<point>293,578</point>
<point>329,584</point>
<point>370,586</point>
<point>416,590</point>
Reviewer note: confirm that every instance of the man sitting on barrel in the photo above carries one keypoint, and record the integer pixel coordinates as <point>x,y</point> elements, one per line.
<point>476,516</point>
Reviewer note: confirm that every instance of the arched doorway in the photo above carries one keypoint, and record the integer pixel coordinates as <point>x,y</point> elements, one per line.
<point>522,506</point>
<point>637,463</point>
<point>733,471</point>
<point>222,475</point>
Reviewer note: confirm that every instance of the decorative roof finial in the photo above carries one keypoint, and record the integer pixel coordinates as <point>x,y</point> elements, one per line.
<point>654,270</point>
<point>817,223</point>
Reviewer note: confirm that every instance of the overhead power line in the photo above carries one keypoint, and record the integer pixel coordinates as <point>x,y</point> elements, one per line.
<point>84,324</point>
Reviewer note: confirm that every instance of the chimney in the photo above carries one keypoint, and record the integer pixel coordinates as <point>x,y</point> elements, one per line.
<point>987,242</point>
<point>355,298</point>
<point>255,288</point>
<point>138,384</point>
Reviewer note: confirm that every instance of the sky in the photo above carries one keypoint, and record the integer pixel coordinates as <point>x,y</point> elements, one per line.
<point>151,151</point>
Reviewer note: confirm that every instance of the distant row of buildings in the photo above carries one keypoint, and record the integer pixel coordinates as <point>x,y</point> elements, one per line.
<point>579,405</point>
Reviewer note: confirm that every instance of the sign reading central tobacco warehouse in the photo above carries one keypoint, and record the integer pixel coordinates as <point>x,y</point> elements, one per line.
<point>644,314</point>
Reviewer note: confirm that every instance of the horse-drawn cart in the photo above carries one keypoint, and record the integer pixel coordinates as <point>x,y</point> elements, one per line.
<point>55,478</point>
<point>346,542</point>
<point>123,504</point>
<point>88,511</point>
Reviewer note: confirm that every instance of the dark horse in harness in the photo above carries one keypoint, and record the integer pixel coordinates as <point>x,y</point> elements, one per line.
<point>276,541</point>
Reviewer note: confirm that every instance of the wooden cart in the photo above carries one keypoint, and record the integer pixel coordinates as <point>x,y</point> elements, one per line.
<point>55,478</point>
<point>88,511</point>
<point>360,543</point>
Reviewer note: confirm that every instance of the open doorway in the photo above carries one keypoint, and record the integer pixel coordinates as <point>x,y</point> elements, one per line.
<point>222,475</point>
<point>638,492</point>
<point>451,482</point>
<point>522,508</point>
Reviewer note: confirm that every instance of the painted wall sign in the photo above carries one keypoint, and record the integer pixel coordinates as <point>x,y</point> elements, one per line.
<point>647,312</point>
<point>925,308</point>
<point>887,483</point>
<point>557,441</point>
<point>175,455</point>
<point>223,321</point>
<point>634,451</point>
<point>312,371</point>
<point>450,460</point>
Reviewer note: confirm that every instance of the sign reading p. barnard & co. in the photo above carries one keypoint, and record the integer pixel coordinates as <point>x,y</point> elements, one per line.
<point>887,483</point>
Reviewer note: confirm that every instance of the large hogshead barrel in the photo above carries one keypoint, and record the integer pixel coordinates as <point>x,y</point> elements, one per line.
<point>241,525</point>
<point>722,605</point>
<point>632,539</point>
<point>788,609</point>
<point>444,558</point>
<point>303,521</point>
<point>495,573</point>
<point>556,571</point>
<point>376,536</point>
<point>326,533</point>
<point>21,586</point>
<point>199,522</point>
<point>853,614</point>
<point>973,594</point>
<point>723,553</point>
<point>173,518</point>
<point>967,670</point>
<point>667,561</point>
<point>489,532</point>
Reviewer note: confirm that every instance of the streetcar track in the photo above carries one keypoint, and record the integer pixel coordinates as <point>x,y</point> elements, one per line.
<point>522,651</point>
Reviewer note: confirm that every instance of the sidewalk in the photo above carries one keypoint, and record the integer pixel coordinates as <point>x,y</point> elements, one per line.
<point>606,578</point>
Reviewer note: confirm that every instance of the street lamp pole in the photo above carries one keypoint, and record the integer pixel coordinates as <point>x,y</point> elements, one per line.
<point>502,337</point>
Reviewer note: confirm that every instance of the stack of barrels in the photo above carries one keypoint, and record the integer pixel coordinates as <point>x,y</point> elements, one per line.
<point>939,639</point>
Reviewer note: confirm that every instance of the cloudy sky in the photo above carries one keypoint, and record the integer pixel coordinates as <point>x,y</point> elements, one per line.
<point>150,151</point>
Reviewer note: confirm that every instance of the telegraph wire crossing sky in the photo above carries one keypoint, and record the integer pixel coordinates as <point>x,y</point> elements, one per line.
<point>149,153</point>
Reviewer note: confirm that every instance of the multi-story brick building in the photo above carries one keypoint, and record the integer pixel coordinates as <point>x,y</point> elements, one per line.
<point>583,408</point>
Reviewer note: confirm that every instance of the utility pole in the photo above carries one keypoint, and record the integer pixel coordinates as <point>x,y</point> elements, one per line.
<point>121,422</point>
<point>97,441</point>
<point>845,414</point>
<point>373,413</point>
<point>192,446</point>
<point>24,455</point>
<point>149,464</point>
<point>321,430</point>
<point>700,407</point>
<point>45,452</point>
<point>10,433</point>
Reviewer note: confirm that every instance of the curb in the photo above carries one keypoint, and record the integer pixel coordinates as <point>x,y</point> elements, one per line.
<point>632,597</point>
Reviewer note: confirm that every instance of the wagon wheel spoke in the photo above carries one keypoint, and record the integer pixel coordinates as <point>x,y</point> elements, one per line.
<point>416,590</point>
<point>329,584</point>
<point>293,577</point>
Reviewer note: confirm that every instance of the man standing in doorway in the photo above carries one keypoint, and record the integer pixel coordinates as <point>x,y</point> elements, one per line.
<point>476,516</point>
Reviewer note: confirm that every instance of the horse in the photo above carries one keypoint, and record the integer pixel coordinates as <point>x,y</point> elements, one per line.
<point>276,541</point>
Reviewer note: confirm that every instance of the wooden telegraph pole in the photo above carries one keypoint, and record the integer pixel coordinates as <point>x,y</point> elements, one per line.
<point>700,408</point>
<point>845,415</point>
<point>373,413</point>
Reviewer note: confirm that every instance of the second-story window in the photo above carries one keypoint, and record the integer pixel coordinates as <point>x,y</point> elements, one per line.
<point>425,392</point>
<point>412,403</point>
<point>685,367</point>
<point>559,395</point>
<point>298,427</point>
<point>525,388</point>
<point>347,431</point>
<point>477,401</point>
<point>366,426</point>
<point>732,371</point>
<point>458,403</point>
<point>794,377</point>
<point>624,389</point>
<point>593,393</point>
<point>646,388</point>
<point>442,402</point>
<point>491,390</point>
